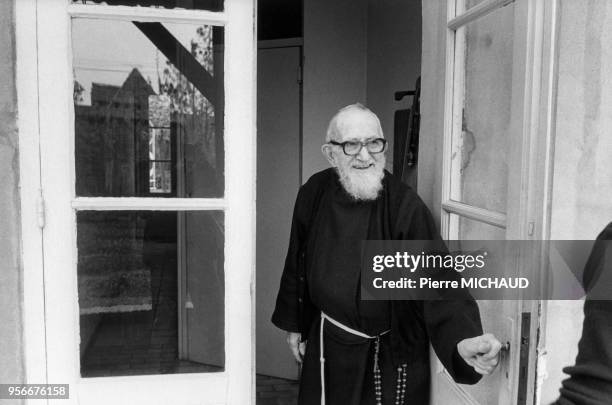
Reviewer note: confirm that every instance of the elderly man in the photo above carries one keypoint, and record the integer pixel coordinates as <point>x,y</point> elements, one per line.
<point>366,352</point>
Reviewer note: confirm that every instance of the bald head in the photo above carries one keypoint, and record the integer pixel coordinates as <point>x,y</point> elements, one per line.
<point>353,121</point>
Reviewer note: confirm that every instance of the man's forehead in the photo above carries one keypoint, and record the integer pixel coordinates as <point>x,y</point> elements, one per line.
<point>356,114</point>
<point>358,125</point>
<point>363,138</point>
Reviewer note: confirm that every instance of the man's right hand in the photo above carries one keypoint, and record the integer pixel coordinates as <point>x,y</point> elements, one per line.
<point>297,348</point>
<point>481,352</point>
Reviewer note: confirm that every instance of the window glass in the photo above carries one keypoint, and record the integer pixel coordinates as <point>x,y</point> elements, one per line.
<point>481,141</point>
<point>151,292</point>
<point>210,5</point>
<point>148,103</point>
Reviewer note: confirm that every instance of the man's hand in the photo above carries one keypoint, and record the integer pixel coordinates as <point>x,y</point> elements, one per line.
<point>480,352</point>
<point>297,348</point>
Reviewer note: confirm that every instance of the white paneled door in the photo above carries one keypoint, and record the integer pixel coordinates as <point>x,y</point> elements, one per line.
<point>147,171</point>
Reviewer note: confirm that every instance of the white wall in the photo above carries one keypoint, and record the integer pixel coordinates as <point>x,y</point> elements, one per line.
<point>393,58</point>
<point>581,199</point>
<point>335,44</point>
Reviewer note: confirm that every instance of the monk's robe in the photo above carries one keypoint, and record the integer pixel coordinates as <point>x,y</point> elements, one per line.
<point>322,273</point>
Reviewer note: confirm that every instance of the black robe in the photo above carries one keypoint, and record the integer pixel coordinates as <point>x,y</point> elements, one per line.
<point>322,272</point>
<point>590,381</point>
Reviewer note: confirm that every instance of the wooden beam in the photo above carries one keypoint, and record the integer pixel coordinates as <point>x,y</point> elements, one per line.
<point>180,57</point>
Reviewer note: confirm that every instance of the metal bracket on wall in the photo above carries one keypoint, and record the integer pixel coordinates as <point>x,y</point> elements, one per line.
<point>401,94</point>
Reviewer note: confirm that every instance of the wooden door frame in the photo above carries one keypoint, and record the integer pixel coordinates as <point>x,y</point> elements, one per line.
<point>32,210</point>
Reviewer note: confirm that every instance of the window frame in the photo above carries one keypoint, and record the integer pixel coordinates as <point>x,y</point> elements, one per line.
<point>49,204</point>
<point>457,19</point>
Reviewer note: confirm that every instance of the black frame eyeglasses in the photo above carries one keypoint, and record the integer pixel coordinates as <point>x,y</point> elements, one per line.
<point>353,148</point>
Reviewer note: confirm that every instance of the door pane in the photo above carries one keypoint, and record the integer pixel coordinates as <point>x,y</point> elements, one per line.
<point>148,109</point>
<point>481,140</point>
<point>151,292</point>
<point>211,5</point>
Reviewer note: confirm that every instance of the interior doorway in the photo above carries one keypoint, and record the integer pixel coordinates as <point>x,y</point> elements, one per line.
<point>340,53</point>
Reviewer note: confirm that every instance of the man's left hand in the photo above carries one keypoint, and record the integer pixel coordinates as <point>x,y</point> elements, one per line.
<point>480,352</point>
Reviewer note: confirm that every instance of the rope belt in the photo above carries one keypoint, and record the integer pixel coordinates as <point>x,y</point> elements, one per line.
<point>401,379</point>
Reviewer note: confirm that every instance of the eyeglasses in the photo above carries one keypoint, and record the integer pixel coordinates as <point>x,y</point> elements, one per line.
<point>352,148</point>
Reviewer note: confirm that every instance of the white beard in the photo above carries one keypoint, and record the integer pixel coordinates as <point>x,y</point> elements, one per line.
<point>362,185</point>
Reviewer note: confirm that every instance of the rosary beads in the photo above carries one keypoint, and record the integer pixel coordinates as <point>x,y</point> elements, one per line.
<point>400,391</point>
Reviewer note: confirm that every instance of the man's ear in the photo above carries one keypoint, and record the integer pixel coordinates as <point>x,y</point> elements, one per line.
<point>327,151</point>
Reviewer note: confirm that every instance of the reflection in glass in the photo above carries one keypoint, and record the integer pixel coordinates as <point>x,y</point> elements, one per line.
<point>151,292</point>
<point>481,140</point>
<point>210,5</point>
<point>148,109</point>
<point>160,161</point>
<point>160,177</point>
<point>159,144</point>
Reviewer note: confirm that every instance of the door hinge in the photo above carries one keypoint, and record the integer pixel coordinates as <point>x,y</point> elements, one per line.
<point>300,74</point>
<point>40,210</point>
<point>189,302</point>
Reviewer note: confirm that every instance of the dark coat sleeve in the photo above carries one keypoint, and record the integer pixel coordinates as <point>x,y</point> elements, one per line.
<point>294,312</point>
<point>447,322</point>
<point>590,381</point>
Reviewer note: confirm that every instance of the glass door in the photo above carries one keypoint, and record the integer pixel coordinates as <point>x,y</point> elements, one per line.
<point>484,173</point>
<point>147,156</point>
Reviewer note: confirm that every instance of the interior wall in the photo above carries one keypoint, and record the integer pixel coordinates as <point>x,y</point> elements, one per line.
<point>375,52</point>
<point>335,60</point>
<point>581,198</point>
<point>393,58</point>
<point>278,178</point>
<point>11,357</point>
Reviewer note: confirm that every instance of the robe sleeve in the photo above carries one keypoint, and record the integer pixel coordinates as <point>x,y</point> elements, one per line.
<point>447,321</point>
<point>286,314</point>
